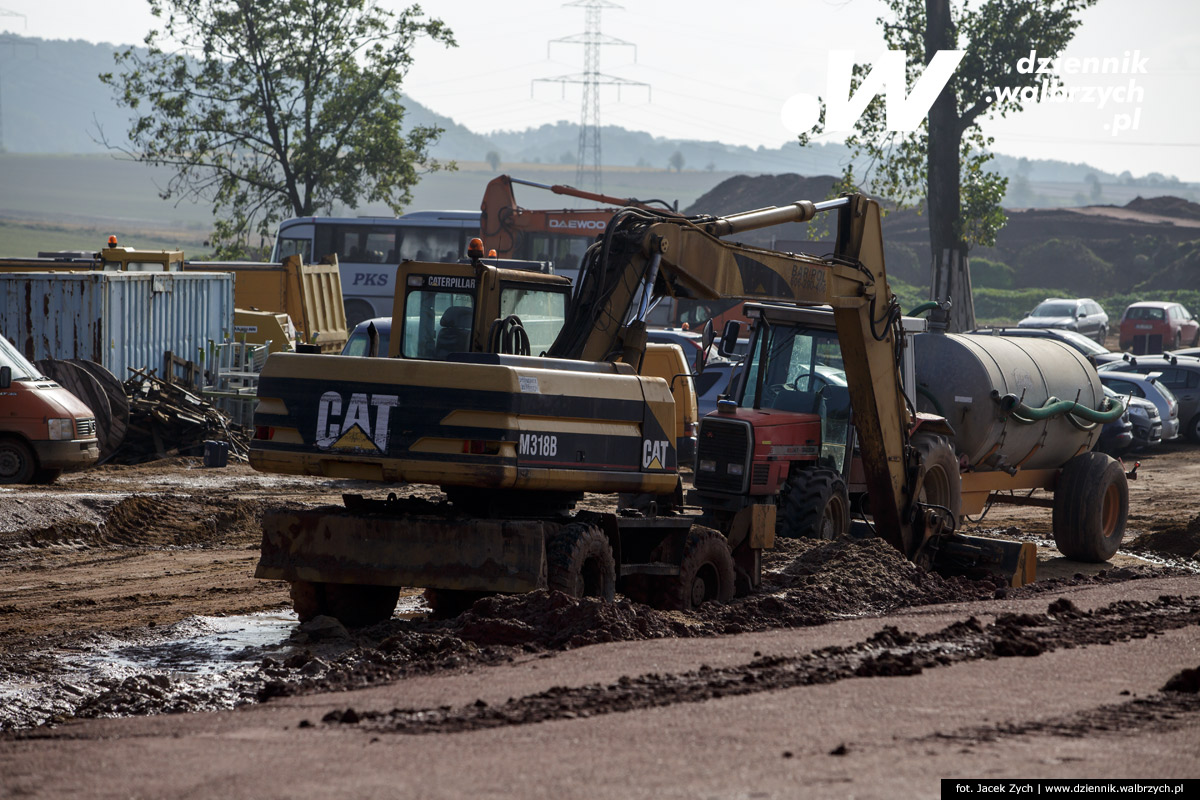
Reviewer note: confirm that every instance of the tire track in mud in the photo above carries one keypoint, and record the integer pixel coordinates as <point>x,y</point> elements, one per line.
<point>147,521</point>
<point>888,653</point>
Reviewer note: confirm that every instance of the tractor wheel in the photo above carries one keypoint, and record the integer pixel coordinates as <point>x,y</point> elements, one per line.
<point>579,561</point>
<point>706,572</point>
<point>1091,503</point>
<point>814,503</point>
<point>942,485</point>
<point>354,605</point>
<point>449,603</point>
<point>17,462</point>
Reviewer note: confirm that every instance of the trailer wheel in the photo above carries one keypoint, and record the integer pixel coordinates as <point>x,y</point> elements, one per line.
<point>706,572</point>
<point>579,561</point>
<point>17,463</point>
<point>1091,503</point>
<point>815,504</point>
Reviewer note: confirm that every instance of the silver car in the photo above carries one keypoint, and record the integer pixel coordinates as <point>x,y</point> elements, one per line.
<point>1082,315</point>
<point>1148,387</point>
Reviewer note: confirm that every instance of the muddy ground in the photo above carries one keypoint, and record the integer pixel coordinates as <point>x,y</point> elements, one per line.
<point>128,591</point>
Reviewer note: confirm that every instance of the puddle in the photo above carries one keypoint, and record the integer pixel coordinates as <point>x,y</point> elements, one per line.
<point>198,664</point>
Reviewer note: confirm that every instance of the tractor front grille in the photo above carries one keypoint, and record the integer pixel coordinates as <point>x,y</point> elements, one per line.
<point>723,449</point>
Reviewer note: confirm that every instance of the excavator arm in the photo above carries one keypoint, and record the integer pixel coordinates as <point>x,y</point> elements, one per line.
<point>644,255</point>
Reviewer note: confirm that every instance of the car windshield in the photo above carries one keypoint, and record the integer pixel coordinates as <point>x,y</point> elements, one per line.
<point>10,357</point>
<point>1145,312</point>
<point>1054,308</point>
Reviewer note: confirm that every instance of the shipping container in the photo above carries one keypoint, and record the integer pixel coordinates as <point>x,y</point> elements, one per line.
<point>123,320</point>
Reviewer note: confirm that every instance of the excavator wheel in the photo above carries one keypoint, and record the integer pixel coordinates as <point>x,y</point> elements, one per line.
<point>449,603</point>
<point>942,485</point>
<point>706,572</point>
<point>1091,502</point>
<point>814,504</point>
<point>580,562</point>
<point>353,605</point>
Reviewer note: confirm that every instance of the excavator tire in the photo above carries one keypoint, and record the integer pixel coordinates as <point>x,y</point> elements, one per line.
<point>942,485</point>
<point>1091,503</point>
<point>706,572</point>
<point>815,504</point>
<point>579,561</point>
<point>449,603</point>
<point>353,605</point>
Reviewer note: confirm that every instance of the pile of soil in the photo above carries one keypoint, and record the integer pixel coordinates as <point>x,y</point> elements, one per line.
<point>1173,542</point>
<point>1166,206</point>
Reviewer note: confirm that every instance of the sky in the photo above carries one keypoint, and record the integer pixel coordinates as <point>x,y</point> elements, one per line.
<point>724,71</point>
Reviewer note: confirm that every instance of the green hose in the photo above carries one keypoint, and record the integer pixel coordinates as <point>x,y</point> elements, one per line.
<point>928,305</point>
<point>928,395</point>
<point>1011,404</point>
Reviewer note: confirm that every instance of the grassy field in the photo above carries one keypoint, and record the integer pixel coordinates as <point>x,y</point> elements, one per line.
<point>69,202</point>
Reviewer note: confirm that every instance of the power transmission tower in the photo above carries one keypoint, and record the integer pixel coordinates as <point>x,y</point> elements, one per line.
<point>591,79</point>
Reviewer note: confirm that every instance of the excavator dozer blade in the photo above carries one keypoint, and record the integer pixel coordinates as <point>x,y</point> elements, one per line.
<point>958,554</point>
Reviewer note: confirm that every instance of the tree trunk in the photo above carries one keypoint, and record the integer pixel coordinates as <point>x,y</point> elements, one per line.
<point>950,277</point>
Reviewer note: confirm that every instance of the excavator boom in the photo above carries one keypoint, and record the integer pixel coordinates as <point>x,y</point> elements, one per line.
<point>645,255</point>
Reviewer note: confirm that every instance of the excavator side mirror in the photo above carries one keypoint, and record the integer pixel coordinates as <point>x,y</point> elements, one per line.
<point>729,338</point>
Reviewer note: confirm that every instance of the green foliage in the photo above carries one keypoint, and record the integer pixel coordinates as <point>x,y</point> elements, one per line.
<point>676,161</point>
<point>986,273</point>
<point>269,110</point>
<point>493,159</point>
<point>1007,306</point>
<point>909,296</point>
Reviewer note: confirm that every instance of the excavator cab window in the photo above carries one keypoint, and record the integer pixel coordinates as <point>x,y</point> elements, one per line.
<point>437,323</point>
<point>542,313</point>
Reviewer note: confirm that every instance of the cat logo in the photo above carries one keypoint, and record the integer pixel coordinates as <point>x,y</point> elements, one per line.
<point>354,432</point>
<point>654,454</point>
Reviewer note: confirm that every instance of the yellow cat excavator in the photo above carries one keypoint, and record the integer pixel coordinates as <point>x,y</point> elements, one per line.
<point>515,440</point>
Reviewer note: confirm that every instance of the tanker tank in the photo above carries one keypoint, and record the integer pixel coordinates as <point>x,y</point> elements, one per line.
<point>966,379</point>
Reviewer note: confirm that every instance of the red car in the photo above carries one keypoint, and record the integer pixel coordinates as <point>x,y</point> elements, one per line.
<point>1153,327</point>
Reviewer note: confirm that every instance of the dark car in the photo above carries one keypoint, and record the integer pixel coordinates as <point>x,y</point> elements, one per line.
<point>1152,327</point>
<point>1117,436</point>
<point>359,342</point>
<point>1083,315</point>
<point>1094,352</point>
<point>1180,374</point>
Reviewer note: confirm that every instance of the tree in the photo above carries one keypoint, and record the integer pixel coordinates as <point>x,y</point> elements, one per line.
<point>269,110</point>
<point>943,161</point>
<point>676,161</point>
<point>493,160</point>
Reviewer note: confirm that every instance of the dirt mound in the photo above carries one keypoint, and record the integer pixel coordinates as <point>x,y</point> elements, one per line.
<point>1166,206</point>
<point>555,621</point>
<point>1172,543</point>
<point>743,192</point>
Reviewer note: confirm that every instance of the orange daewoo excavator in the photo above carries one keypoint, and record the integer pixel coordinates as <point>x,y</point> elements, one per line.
<point>515,440</point>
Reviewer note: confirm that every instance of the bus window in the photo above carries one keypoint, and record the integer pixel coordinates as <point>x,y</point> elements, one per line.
<point>357,244</point>
<point>294,247</point>
<point>542,313</point>
<point>431,244</point>
<point>437,324</point>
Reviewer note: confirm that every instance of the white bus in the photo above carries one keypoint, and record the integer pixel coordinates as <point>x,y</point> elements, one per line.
<point>370,248</point>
